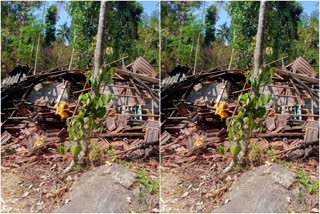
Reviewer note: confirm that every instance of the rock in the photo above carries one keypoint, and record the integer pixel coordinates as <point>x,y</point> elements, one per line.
<point>105,190</point>
<point>263,190</point>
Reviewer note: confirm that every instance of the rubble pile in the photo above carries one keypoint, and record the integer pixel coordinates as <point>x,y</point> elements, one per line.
<point>35,109</point>
<point>194,110</point>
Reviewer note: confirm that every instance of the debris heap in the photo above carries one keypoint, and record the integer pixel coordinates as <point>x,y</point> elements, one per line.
<point>35,109</point>
<point>194,110</point>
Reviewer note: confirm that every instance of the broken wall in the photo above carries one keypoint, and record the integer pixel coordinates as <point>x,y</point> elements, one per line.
<point>206,92</point>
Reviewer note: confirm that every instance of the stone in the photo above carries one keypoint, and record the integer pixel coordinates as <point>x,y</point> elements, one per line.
<point>104,190</point>
<point>263,190</point>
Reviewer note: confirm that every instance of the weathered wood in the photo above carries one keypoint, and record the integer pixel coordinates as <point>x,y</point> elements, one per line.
<point>152,131</point>
<point>301,146</point>
<point>122,135</point>
<point>139,76</point>
<point>289,134</point>
<point>270,124</point>
<point>281,123</point>
<point>299,76</point>
<point>142,146</point>
<point>165,136</point>
<point>312,131</point>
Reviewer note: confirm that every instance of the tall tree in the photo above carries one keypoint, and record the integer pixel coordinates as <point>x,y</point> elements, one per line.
<point>210,22</point>
<point>99,50</point>
<point>120,39</point>
<point>147,44</point>
<point>223,33</point>
<point>281,28</point>
<point>63,33</point>
<point>179,32</point>
<point>19,30</point>
<point>258,52</point>
<point>307,44</point>
<point>51,20</point>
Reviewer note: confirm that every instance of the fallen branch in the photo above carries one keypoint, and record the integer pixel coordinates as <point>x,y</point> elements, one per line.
<point>142,146</point>
<point>301,146</point>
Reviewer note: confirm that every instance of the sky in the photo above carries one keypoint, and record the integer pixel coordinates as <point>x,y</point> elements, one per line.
<point>308,7</point>
<point>150,6</point>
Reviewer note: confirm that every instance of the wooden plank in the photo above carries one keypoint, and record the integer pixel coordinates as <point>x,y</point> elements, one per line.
<point>5,137</point>
<point>270,124</point>
<point>183,111</point>
<point>139,76</point>
<point>121,123</point>
<point>110,123</point>
<point>22,109</point>
<point>300,76</point>
<point>281,123</point>
<point>152,131</point>
<point>312,131</point>
<point>165,136</point>
<point>289,134</point>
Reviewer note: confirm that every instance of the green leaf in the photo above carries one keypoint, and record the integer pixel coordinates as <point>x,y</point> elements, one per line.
<point>261,112</point>
<point>245,120</point>
<point>235,149</point>
<point>112,71</point>
<point>101,113</point>
<point>221,150</point>
<point>265,98</point>
<point>61,150</point>
<point>86,120</point>
<point>75,150</point>
<point>106,98</point>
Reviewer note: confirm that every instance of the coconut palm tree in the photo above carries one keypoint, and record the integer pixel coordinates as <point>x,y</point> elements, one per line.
<point>223,33</point>
<point>63,33</point>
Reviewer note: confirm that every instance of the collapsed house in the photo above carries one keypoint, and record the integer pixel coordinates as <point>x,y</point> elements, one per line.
<point>194,108</point>
<point>31,117</point>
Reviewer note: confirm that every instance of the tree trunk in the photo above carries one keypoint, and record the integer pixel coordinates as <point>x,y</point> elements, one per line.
<point>232,52</point>
<point>99,51</point>
<point>258,51</point>
<point>38,43</point>
<point>72,54</point>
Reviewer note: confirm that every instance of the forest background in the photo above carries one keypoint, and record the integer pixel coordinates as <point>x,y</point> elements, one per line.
<point>44,35</point>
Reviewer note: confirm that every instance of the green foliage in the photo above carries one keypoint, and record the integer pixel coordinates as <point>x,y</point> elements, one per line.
<point>223,33</point>
<point>310,186</point>
<point>123,19</point>
<point>85,24</point>
<point>210,22</point>
<point>51,20</point>
<point>62,150</point>
<point>95,154</point>
<point>19,33</point>
<point>221,150</point>
<point>93,106</point>
<point>75,150</point>
<point>179,33</point>
<point>63,33</point>
<point>144,180</point>
<point>147,44</point>
<point>244,24</point>
<point>111,153</point>
<point>308,43</point>
<point>282,17</point>
<point>253,107</point>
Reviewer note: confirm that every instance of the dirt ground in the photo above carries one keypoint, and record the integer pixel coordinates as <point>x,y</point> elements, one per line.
<point>35,187</point>
<point>196,186</point>
<point>40,186</point>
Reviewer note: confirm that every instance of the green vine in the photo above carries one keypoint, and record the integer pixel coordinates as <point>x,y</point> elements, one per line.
<point>93,106</point>
<point>253,107</point>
